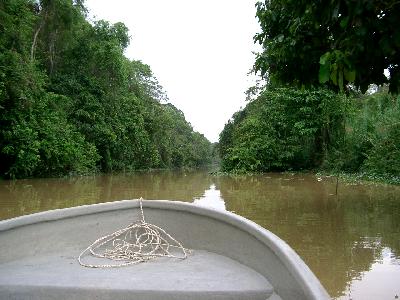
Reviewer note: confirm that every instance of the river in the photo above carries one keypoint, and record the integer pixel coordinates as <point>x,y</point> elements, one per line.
<point>351,240</point>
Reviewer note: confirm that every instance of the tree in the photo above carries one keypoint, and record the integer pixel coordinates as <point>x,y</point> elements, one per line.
<point>283,129</point>
<point>35,135</point>
<point>54,29</point>
<point>71,102</point>
<point>329,42</point>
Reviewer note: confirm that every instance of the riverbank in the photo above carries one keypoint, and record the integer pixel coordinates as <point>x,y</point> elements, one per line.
<point>364,178</point>
<point>359,178</point>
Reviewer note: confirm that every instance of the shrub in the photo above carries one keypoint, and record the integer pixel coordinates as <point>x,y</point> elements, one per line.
<point>284,128</point>
<point>372,139</point>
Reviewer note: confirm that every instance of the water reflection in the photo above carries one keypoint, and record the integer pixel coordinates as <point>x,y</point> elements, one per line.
<point>22,197</point>
<point>369,285</point>
<point>212,199</point>
<point>351,240</point>
<point>328,231</point>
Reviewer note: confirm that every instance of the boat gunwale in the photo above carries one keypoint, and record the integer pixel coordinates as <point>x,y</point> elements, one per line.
<point>292,261</point>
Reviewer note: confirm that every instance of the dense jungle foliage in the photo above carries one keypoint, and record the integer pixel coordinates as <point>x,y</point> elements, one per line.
<point>71,102</point>
<point>291,129</point>
<point>283,129</point>
<point>333,42</point>
<point>318,60</point>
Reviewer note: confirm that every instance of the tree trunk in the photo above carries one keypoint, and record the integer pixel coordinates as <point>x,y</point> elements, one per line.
<point>35,40</point>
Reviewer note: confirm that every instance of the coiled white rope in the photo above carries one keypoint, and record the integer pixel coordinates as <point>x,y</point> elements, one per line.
<point>138,242</point>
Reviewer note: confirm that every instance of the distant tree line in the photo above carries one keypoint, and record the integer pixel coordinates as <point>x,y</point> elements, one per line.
<point>72,103</point>
<point>318,60</point>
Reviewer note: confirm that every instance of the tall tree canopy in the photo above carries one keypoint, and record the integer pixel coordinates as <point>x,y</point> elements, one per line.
<point>307,42</point>
<point>71,102</point>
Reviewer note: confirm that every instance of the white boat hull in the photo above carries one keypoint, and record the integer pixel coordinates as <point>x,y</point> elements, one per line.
<point>233,258</point>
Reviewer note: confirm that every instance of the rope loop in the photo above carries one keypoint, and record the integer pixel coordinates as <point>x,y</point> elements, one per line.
<point>138,242</point>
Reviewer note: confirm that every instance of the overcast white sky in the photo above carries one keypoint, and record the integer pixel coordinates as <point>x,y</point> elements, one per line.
<point>200,51</point>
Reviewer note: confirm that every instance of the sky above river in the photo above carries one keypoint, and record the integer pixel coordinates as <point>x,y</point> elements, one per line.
<point>200,52</point>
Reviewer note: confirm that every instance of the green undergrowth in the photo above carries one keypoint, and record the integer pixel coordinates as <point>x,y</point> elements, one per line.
<point>286,129</point>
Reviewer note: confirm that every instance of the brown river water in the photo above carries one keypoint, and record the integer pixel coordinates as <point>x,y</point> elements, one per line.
<point>351,240</point>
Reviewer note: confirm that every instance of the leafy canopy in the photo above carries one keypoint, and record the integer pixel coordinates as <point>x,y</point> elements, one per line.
<point>335,42</point>
<point>72,103</point>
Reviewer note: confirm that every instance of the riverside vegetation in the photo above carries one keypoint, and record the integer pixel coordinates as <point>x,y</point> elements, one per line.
<point>315,111</point>
<point>286,129</point>
<point>72,103</point>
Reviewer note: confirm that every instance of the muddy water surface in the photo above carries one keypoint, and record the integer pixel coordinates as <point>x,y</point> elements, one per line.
<point>351,240</point>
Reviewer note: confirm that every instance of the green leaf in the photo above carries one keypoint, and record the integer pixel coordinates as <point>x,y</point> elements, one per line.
<point>334,76</point>
<point>324,73</point>
<point>324,58</point>
<point>350,76</point>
